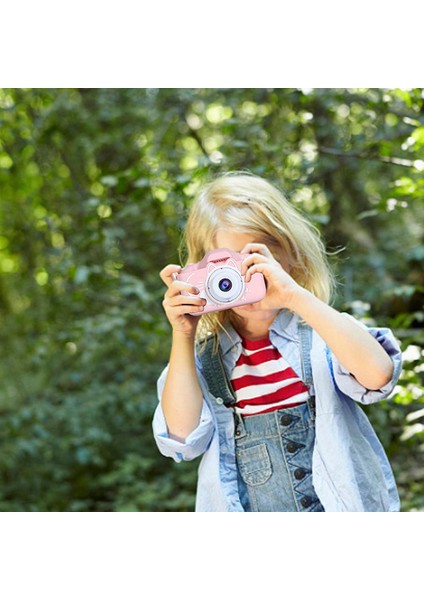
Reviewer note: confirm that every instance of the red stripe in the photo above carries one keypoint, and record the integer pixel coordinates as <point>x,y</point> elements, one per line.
<point>277,396</point>
<point>259,357</point>
<point>255,344</point>
<point>276,377</point>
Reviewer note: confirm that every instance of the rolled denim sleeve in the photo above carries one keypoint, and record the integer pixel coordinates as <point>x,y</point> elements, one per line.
<point>195,444</point>
<point>347,383</point>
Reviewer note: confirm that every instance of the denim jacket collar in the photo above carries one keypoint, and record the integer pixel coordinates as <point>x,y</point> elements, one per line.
<point>284,325</point>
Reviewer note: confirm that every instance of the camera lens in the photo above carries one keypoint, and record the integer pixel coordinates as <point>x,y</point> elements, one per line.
<point>225,285</point>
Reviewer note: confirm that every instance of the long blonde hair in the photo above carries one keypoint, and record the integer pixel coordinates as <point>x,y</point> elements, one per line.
<point>239,201</point>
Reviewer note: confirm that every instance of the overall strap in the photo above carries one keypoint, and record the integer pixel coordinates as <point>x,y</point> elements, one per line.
<point>209,354</point>
<point>305,337</point>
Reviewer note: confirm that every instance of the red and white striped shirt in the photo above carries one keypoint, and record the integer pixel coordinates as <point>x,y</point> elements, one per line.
<point>263,381</point>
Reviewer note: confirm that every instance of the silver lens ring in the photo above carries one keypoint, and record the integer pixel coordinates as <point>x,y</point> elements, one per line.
<point>224,284</point>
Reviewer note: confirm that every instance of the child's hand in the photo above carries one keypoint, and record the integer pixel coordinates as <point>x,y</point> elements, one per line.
<point>177,306</point>
<point>281,287</point>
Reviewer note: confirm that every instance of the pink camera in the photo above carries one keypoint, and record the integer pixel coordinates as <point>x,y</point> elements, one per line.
<point>219,279</point>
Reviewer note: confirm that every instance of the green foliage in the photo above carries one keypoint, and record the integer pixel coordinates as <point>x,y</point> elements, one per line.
<point>95,186</point>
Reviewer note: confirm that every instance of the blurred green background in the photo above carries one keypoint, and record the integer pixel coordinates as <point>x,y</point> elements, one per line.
<point>95,185</point>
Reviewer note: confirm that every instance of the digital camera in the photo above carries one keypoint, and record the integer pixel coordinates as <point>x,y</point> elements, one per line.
<point>219,279</point>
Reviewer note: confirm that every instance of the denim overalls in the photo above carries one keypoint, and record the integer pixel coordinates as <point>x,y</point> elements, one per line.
<point>273,450</point>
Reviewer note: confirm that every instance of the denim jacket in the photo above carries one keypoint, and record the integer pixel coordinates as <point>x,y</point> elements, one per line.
<point>350,469</point>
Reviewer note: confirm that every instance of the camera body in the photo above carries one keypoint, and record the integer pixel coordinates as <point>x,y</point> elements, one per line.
<point>219,279</point>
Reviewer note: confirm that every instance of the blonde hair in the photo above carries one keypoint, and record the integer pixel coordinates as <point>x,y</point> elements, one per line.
<point>245,203</point>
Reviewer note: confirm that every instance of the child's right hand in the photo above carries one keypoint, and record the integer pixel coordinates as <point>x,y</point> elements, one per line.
<point>177,306</point>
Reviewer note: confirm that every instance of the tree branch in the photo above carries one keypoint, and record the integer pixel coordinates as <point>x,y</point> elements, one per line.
<point>394,160</point>
<point>199,141</point>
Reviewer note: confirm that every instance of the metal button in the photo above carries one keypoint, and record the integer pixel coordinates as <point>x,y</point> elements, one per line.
<point>238,432</point>
<point>292,447</point>
<point>306,502</point>
<point>299,473</point>
<point>219,400</point>
<point>286,419</point>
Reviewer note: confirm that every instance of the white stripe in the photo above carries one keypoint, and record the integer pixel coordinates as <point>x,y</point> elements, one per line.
<point>253,409</point>
<point>266,368</point>
<point>254,391</point>
<point>247,352</point>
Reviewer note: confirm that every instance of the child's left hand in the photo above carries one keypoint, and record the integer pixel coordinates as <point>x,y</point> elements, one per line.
<point>281,287</point>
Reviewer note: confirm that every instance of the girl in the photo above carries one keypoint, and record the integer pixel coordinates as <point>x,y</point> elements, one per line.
<point>268,392</point>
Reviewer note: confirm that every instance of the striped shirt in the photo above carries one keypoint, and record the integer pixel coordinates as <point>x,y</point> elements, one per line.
<point>263,381</point>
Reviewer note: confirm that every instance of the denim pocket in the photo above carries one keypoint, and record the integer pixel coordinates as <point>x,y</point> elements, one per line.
<point>254,464</point>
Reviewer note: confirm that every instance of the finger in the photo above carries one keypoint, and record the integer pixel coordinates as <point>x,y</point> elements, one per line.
<point>180,299</point>
<point>256,247</point>
<point>167,274</point>
<point>265,268</point>
<point>253,269</point>
<point>187,309</point>
<point>192,311</point>
<point>182,309</point>
<point>250,260</point>
<point>176,287</point>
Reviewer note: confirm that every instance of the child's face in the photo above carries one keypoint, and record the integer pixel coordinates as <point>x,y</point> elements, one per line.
<point>236,241</point>
<point>233,240</point>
